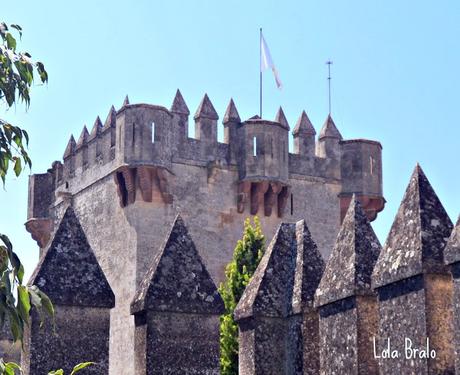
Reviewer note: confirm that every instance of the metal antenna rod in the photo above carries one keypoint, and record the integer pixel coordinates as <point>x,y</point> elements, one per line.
<point>329,63</point>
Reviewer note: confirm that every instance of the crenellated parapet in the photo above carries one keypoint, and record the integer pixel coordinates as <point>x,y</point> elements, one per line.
<point>141,145</point>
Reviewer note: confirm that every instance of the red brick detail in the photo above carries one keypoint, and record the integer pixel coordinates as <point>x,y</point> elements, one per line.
<point>244,191</point>
<point>282,200</point>
<point>145,182</point>
<point>258,190</point>
<point>271,197</point>
<point>128,180</point>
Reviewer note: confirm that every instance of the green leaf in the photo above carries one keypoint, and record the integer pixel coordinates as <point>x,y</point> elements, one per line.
<point>16,325</point>
<point>18,28</point>
<point>26,136</point>
<point>10,41</point>
<point>10,368</point>
<point>23,303</point>
<point>3,29</point>
<point>81,366</point>
<point>42,72</point>
<point>17,167</point>
<point>35,299</point>
<point>57,372</point>
<point>20,274</point>
<point>46,303</point>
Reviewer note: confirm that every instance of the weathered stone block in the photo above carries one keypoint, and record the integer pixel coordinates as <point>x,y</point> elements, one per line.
<point>414,287</point>
<point>347,305</point>
<point>177,308</point>
<point>68,272</point>
<point>278,324</point>
<point>79,335</point>
<point>452,258</point>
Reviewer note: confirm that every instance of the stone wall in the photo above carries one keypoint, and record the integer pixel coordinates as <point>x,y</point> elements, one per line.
<point>68,272</point>
<point>128,178</point>
<point>297,315</point>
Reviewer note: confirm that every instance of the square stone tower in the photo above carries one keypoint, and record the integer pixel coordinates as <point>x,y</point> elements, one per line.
<point>128,178</point>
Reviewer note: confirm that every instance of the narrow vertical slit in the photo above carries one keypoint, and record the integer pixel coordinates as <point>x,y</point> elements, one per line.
<point>134,136</point>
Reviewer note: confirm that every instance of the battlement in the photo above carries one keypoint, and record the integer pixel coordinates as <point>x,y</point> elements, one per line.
<point>127,178</point>
<point>143,146</point>
<point>147,134</point>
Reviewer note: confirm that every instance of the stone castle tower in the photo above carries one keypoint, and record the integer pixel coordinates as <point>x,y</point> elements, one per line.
<point>128,178</point>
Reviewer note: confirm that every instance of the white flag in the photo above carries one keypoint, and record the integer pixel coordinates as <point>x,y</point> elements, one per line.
<point>266,61</point>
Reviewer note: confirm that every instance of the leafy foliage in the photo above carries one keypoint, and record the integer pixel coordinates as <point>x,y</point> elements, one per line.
<point>246,257</point>
<point>8,368</point>
<point>16,309</point>
<point>16,79</point>
<point>76,369</point>
<point>16,299</point>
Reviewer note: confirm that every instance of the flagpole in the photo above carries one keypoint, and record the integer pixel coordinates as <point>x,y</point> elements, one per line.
<point>260,71</point>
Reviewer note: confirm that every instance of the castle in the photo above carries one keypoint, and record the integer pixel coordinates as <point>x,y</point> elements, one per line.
<point>128,178</point>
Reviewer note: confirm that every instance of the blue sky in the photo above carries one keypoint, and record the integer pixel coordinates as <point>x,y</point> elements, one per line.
<point>395,77</point>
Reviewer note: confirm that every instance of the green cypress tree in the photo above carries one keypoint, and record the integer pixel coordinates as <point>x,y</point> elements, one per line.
<point>246,257</point>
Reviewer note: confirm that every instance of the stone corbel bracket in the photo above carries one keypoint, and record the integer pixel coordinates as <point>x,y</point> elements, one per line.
<point>371,205</point>
<point>262,192</point>
<point>130,179</point>
<point>40,229</point>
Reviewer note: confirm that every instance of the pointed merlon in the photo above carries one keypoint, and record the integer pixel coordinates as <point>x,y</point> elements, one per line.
<point>231,114</point>
<point>329,130</point>
<point>68,272</point>
<point>304,125</point>
<point>270,291</point>
<point>417,236</point>
<point>206,109</point>
<point>70,149</point>
<point>349,268</point>
<point>97,128</point>
<point>177,280</point>
<point>126,101</point>
<point>179,105</point>
<point>452,251</point>
<point>309,269</point>
<point>281,118</point>
<point>83,137</point>
<point>111,119</point>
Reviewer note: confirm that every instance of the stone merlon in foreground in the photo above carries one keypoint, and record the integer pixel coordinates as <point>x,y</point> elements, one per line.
<point>68,272</point>
<point>417,237</point>
<point>70,275</point>
<point>177,280</point>
<point>270,291</point>
<point>176,309</point>
<point>414,287</point>
<point>278,328</point>
<point>346,302</point>
<point>349,268</point>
